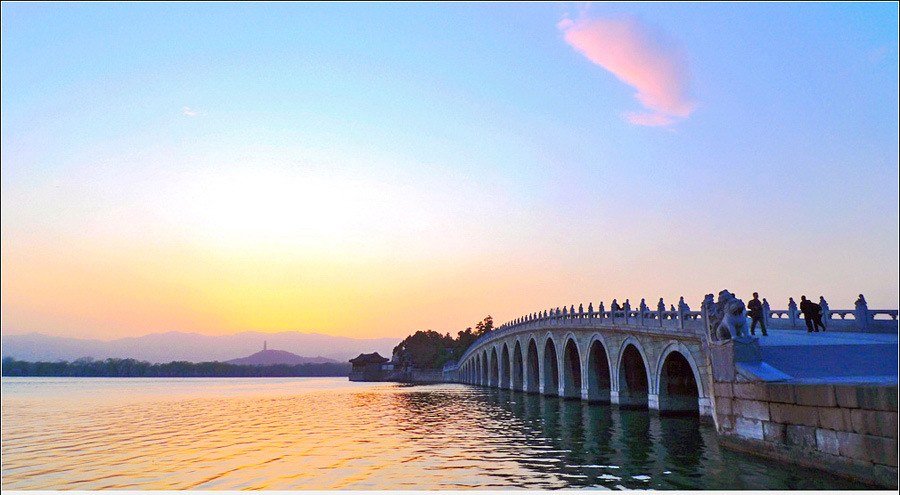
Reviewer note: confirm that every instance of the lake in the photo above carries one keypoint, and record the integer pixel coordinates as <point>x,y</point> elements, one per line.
<point>329,433</point>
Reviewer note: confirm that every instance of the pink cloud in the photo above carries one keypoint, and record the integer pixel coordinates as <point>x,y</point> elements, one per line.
<point>633,53</point>
<point>648,119</point>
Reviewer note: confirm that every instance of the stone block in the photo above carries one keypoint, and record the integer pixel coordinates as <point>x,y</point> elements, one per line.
<point>815,395</point>
<point>846,395</point>
<point>780,392</point>
<point>827,441</point>
<point>753,390</point>
<point>835,418</point>
<point>746,350</point>
<point>802,437</point>
<point>748,428</point>
<point>877,423</point>
<point>878,450</point>
<point>791,414</point>
<point>725,422</point>
<point>851,445</point>
<point>881,450</point>
<point>721,355</point>
<point>880,398</point>
<point>890,452</point>
<point>751,409</point>
<point>723,389</point>
<point>724,405</point>
<point>773,432</point>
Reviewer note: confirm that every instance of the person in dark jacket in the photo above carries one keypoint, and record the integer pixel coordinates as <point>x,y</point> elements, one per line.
<point>755,311</point>
<point>811,312</point>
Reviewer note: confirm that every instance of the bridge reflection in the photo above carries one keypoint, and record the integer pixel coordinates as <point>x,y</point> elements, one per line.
<point>567,443</point>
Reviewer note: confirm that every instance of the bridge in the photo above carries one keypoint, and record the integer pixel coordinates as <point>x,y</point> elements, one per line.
<point>639,358</point>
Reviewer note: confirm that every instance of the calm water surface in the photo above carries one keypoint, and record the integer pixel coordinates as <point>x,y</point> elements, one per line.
<point>324,433</point>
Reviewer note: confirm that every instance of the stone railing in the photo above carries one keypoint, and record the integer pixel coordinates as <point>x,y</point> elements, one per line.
<point>683,319</point>
<point>861,319</point>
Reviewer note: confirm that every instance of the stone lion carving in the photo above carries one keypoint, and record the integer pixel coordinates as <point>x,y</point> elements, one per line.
<point>727,317</point>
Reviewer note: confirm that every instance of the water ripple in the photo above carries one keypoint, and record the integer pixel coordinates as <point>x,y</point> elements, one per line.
<point>322,434</point>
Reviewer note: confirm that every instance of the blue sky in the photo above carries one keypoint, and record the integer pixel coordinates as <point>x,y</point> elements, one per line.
<point>203,167</point>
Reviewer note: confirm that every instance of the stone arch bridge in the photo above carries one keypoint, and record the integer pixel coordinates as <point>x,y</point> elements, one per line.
<point>639,359</point>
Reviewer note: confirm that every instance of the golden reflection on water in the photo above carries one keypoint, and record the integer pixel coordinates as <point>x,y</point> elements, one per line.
<point>322,434</point>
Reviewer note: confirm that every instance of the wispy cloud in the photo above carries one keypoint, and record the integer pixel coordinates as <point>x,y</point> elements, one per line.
<point>636,55</point>
<point>189,112</point>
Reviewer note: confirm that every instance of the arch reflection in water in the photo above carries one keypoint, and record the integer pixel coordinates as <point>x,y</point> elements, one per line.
<point>580,444</point>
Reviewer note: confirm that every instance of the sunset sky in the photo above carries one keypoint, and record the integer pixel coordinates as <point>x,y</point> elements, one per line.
<point>369,170</point>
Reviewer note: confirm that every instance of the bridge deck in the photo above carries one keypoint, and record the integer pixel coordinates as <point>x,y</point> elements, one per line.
<point>830,357</point>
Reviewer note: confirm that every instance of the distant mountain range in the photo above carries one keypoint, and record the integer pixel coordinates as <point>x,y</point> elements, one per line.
<point>270,356</point>
<point>179,346</point>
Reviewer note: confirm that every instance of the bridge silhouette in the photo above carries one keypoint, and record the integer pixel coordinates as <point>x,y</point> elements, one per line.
<point>638,358</point>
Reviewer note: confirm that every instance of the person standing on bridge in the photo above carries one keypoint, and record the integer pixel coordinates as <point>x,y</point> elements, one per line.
<point>755,311</point>
<point>810,312</point>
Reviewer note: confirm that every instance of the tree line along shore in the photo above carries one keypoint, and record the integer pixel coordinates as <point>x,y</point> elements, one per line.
<point>113,367</point>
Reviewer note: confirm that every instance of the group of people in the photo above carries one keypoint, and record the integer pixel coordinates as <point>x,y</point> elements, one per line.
<point>812,314</point>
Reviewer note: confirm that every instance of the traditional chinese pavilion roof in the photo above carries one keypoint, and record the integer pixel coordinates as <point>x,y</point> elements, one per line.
<point>369,358</point>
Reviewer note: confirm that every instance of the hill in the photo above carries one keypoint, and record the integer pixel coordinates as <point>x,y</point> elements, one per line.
<point>271,356</point>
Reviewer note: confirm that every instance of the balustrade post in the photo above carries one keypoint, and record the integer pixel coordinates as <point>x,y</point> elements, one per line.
<point>792,312</point>
<point>826,313</point>
<point>660,311</point>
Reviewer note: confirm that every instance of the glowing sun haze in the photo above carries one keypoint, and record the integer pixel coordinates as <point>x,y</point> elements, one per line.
<point>217,168</point>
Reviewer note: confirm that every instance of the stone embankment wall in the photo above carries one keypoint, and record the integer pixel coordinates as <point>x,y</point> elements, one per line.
<point>847,429</point>
<point>426,376</point>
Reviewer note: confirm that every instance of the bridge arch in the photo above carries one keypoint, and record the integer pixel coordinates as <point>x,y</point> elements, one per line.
<point>517,366</point>
<point>633,375</point>
<point>550,365</point>
<point>532,367</point>
<point>495,368</point>
<point>505,372</point>
<point>485,368</point>
<point>599,374</point>
<point>572,371</point>
<point>678,384</point>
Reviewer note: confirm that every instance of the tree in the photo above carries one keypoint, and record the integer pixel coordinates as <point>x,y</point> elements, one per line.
<point>484,326</point>
<point>429,349</point>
